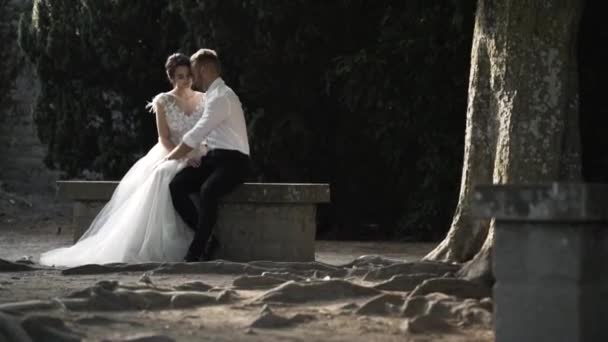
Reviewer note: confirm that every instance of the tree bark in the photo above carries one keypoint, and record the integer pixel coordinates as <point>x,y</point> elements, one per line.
<point>522,118</point>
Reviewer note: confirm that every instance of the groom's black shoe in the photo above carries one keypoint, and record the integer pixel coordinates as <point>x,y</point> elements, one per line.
<point>211,249</point>
<point>191,258</point>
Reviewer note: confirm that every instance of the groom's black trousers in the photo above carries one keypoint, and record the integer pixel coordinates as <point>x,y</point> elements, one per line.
<point>220,172</point>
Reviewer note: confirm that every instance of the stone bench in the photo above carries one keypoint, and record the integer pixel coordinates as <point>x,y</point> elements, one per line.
<point>258,221</point>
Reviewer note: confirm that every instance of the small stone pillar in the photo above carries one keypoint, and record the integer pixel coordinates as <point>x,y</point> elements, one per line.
<point>550,260</point>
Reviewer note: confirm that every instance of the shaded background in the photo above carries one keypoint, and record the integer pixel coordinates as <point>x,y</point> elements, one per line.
<point>369,96</point>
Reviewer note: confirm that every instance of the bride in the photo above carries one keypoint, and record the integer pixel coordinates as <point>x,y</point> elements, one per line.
<point>139,223</point>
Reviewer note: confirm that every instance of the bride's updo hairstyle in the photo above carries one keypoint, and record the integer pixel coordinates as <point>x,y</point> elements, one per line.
<point>174,61</point>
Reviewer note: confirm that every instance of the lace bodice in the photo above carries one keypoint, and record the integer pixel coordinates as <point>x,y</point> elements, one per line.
<point>179,122</point>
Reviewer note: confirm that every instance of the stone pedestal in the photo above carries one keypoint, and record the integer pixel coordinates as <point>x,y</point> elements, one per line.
<point>258,221</point>
<point>550,260</point>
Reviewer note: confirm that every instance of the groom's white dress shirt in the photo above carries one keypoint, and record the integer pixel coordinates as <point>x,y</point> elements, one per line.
<point>223,122</point>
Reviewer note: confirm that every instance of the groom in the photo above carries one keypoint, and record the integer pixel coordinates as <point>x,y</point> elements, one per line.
<point>223,168</point>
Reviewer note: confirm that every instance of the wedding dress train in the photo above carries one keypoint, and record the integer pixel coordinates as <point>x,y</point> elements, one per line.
<point>139,223</point>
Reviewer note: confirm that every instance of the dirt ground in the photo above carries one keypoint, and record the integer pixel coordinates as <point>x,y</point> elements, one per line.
<point>337,298</point>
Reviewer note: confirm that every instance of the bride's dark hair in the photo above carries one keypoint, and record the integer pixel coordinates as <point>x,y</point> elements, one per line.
<point>174,61</point>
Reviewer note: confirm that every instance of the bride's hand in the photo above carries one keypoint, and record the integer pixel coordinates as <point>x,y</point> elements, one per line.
<point>194,162</point>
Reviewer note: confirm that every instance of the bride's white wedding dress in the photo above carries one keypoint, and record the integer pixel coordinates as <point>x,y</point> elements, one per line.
<point>139,223</point>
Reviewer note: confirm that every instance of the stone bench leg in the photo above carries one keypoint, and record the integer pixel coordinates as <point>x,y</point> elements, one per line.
<point>83,214</point>
<point>550,285</point>
<point>278,232</point>
<point>550,261</point>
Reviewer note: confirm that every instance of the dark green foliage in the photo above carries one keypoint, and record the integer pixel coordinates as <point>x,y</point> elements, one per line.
<point>8,65</point>
<point>369,96</point>
<point>410,96</point>
<point>593,69</point>
<point>99,62</point>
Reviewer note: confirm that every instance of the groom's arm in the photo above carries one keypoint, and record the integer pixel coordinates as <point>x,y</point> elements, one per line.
<point>216,111</point>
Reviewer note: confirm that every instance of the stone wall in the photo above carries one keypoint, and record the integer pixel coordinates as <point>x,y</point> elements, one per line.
<point>21,152</point>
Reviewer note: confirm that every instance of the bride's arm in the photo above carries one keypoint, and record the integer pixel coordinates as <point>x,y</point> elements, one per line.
<point>164,135</point>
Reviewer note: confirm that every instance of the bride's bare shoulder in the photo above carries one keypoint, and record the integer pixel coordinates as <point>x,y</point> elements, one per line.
<point>160,97</point>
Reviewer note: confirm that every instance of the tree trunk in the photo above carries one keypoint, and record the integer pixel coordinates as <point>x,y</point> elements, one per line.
<point>522,118</point>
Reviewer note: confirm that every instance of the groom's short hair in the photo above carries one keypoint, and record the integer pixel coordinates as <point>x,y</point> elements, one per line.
<point>206,56</point>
